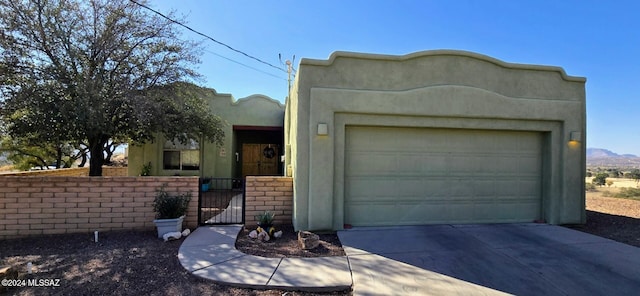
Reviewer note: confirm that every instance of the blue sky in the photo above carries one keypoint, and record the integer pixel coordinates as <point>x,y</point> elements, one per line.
<point>599,40</point>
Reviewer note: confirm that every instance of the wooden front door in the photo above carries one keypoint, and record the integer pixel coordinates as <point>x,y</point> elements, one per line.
<point>260,159</point>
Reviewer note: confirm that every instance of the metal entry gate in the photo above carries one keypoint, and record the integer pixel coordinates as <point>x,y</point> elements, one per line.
<point>221,201</point>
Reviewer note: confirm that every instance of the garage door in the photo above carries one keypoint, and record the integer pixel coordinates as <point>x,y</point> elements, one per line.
<point>406,176</point>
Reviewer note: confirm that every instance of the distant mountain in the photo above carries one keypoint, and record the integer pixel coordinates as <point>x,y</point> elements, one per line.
<point>599,152</point>
<point>607,158</point>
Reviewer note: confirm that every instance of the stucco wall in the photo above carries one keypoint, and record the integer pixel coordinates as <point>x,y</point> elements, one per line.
<point>444,89</point>
<point>255,110</point>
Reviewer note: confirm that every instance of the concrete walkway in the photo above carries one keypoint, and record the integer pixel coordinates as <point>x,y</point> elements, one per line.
<point>210,252</point>
<point>521,259</point>
<point>231,214</point>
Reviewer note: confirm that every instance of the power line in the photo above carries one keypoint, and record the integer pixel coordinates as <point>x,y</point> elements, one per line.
<point>239,63</point>
<point>207,36</point>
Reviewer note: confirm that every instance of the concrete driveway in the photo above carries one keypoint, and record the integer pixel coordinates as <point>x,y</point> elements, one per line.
<point>521,259</point>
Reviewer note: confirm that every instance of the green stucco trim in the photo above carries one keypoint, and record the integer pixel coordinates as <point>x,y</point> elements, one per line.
<point>441,52</point>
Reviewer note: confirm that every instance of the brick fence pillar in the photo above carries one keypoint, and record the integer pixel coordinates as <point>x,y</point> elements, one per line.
<point>273,194</point>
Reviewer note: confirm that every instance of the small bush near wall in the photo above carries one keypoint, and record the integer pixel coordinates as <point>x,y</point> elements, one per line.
<point>273,194</point>
<point>53,204</point>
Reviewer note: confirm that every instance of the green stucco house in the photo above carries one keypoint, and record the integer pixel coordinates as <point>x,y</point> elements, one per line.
<point>253,125</point>
<point>431,137</point>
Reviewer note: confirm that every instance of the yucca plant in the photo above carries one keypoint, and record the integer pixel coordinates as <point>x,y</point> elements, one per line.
<point>265,219</point>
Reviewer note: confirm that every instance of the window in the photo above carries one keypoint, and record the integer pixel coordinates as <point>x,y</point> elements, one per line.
<point>178,156</point>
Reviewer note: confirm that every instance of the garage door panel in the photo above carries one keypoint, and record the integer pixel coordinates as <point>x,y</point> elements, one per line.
<point>528,187</point>
<point>368,188</point>
<point>367,162</point>
<point>484,188</point>
<point>437,186</point>
<point>381,188</point>
<point>413,188</point>
<point>434,163</point>
<point>529,165</point>
<point>421,175</point>
<point>368,214</point>
<point>461,189</point>
<point>412,164</point>
<point>484,211</point>
<point>405,213</point>
<point>506,165</point>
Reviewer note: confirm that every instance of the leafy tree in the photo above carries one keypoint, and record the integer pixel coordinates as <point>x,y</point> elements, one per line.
<point>614,173</point>
<point>635,174</point>
<point>74,71</point>
<point>26,153</point>
<point>600,179</point>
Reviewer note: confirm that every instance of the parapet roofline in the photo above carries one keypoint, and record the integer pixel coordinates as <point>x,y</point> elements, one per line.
<point>440,52</point>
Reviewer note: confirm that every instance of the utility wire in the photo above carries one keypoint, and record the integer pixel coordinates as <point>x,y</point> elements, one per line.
<point>206,36</point>
<point>239,63</point>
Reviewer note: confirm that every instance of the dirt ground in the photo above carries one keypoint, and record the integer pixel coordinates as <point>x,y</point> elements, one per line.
<point>121,263</point>
<point>614,218</point>
<point>287,245</point>
<point>138,263</point>
<point>617,183</point>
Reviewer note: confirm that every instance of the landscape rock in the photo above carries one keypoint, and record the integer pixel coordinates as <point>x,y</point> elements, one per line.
<point>264,236</point>
<point>277,234</point>
<point>186,232</point>
<point>8,273</point>
<point>172,235</point>
<point>308,240</point>
<point>253,234</point>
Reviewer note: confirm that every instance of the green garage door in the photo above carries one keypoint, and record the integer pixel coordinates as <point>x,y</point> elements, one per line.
<point>405,176</point>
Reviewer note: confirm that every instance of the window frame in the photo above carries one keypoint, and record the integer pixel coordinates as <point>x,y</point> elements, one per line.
<point>185,162</point>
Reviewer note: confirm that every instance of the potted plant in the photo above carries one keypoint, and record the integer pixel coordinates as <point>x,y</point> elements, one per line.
<point>205,184</point>
<point>146,169</point>
<point>170,210</point>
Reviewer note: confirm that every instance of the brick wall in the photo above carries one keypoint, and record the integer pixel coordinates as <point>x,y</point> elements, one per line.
<point>78,172</point>
<point>53,204</point>
<point>109,171</point>
<point>274,194</point>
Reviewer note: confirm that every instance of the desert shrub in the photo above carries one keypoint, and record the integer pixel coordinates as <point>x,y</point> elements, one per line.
<point>635,174</point>
<point>589,187</point>
<point>609,183</point>
<point>632,193</point>
<point>600,179</point>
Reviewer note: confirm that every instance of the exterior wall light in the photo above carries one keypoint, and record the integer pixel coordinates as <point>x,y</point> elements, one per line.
<point>323,130</point>
<point>575,136</point>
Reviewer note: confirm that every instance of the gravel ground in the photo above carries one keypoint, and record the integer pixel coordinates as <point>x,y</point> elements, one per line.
<point>138,263</point>
<point>614,218</point>
<point>121,263</point>
<point>287,245</point>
